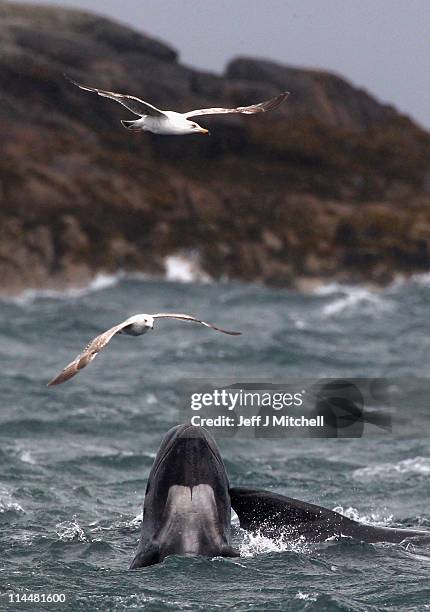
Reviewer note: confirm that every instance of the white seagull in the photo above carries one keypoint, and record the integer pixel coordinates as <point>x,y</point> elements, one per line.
<point>152,119</point>
<point>133,326</point>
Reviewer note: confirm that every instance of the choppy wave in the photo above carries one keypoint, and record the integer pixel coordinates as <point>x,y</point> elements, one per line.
<point>422,278</point>
<point>401,281</point>
<point>178,269</point>
<point>131,524</point>
<point>352,298</point>
<point>186,268</point>
<point>98,283</point>
<point>7,504</point>
<point>329,289</point>
<point>416,465</point>
<point>26,456</point>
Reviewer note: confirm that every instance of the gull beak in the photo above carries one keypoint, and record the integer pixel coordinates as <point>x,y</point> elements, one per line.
<point>203,131</point>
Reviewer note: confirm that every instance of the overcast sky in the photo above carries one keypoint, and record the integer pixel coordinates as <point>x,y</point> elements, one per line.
<point>381,45</point>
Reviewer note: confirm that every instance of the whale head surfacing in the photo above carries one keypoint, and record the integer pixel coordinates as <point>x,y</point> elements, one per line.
<point>187,508</point>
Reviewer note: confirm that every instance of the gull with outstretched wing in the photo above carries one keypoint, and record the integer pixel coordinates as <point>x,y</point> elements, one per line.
<point>137,325</point>
<point>159,121</point>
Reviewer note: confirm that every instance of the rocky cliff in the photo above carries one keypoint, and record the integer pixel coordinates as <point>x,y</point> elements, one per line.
<point>331,185</point>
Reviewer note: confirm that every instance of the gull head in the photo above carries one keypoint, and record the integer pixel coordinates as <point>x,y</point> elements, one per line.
<point>148,321</point>
<point>195,127</point>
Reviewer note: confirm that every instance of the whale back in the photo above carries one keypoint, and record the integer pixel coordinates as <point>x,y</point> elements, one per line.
<point>272,515</point>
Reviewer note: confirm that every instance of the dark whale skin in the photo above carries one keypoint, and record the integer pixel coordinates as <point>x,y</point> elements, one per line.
<point>271,514</point>
<point>187,509</point>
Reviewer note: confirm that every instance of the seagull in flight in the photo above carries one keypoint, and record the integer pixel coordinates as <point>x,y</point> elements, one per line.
<point>137,325</point>
<point>153,119</point>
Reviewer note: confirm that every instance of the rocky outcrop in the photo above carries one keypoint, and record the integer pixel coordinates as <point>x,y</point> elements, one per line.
<point>317,95</point>
<point>331,185</point>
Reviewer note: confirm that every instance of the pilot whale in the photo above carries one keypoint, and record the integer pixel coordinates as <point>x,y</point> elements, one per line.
<point>187,508</point>
<point>188,502</point>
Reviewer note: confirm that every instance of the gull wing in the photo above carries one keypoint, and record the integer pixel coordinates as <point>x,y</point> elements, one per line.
<point>88,354</point>
<point>187,317</point>
<point>135,105</point>
<point>262,107</point>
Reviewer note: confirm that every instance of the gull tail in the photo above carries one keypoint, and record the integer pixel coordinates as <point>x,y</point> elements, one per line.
<point>132,125</point>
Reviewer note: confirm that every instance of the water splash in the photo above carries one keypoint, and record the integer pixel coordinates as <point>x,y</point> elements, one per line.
<point>184,269</point>
<point>69,531</point>
<point>256,544</point>
<point>374,518</point>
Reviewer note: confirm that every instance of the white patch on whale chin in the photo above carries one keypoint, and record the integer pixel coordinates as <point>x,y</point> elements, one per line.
<point>182,499</point>
<point>190,511</point>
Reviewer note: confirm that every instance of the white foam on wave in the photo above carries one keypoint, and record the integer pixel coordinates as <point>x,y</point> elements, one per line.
<point>7,504</point>
<point>69,531</point>
<point>306,596</point>
<point>24,537</point>
<point>333,288</point>
<point>329,289</point>
<point>184,269</point>
<point>416,465</point>
<point>298,320</point>
<point>98,283</point>
<point>374,518</point>
<point>151,399</point>
<point>351,298</point>
<point>133,523</point>
<point>422,278</point>
<point>27,457</point>
<point>178,268</point>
